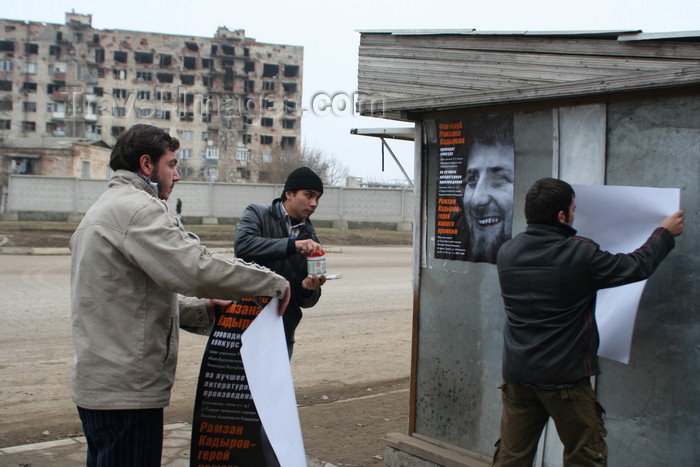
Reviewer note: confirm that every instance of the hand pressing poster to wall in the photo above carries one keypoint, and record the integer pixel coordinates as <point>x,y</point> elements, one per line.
<point>620,219</point>
<point>474,212</point>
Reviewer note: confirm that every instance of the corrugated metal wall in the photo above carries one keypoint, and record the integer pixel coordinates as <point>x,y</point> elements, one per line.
<point>652,404</point>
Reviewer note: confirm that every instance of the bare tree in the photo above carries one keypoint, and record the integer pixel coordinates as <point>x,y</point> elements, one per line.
<point>279,163</point>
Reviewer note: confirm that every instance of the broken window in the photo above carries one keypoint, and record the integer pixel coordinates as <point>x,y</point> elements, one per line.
<point>290,106</point>
<point>6,104</point>
<point>208,63</point>
<point>265,139</point>
<point>208,81</point>
<point>192,46</point>
<point>246,52</point>
<point>31,48</point>
<point>288,141</point>
<point>119,93</point>
<point>165,96</point>
<point>119,73</point>
<point>249,66</point>
<point>7,46</point>
<point>143,57</point>
<point>268,85</point>
<point>228,79</point>
<point>29,86</point>
<point>246,138</point>
<point>266,121</point>
<point>57,68</point>
<point>189,63</point>
<point>187,79</point>
<point>99,55</point>
<point>95,38</point>
<point>289,123</point>
<point>5,124</point>
<point>186,116</point>
<point>290,71</point>
<point>29,106</point>
<point>290,87</point>
<point>268,104</point>
<point>97,90</point>
<point>117,130</point>
<point>270,69</point>
<point>120,56</point>
<point>55,51</point>
<point>6,85</point>
<point>144,76</point>
<point>228,49</point>
<point>28,126</point>
<point>165,77</point>
<point>165,59</point>
<point>213,49</point>
<point>186,98</point>
<point>249,85</point>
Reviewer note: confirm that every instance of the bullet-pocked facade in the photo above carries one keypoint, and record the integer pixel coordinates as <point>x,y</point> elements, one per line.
<point>234,103</point>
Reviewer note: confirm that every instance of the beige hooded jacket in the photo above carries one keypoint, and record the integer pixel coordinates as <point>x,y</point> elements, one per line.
<point>130,260</point>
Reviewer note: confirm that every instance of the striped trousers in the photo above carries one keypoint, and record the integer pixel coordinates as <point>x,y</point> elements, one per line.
<point>119,438</point>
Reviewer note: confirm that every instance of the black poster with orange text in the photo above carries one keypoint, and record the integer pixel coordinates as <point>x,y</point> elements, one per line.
<point>474,212</point>
<point>226,426</point>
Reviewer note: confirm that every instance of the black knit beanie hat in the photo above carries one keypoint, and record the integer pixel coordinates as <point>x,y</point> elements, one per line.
<point>303,178</point>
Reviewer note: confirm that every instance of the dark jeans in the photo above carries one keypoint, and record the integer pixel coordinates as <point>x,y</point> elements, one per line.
<point>118,438</point>
<point>577,416</point>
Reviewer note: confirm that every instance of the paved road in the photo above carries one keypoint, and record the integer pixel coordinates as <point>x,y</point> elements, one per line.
<point>359,334</point>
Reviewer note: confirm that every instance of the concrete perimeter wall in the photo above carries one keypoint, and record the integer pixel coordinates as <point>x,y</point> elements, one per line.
<point>65,198</point>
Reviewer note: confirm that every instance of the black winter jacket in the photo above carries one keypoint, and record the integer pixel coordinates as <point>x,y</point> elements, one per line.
<point>549,279</point>
<point>261,237</point>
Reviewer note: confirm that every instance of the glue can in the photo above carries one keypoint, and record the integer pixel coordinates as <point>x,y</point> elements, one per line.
<point>316,263</point>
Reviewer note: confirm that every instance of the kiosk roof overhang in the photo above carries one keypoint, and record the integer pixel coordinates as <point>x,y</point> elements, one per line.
<point>403,73</point>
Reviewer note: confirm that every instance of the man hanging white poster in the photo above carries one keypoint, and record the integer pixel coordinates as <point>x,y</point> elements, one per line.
<point>619,219</point>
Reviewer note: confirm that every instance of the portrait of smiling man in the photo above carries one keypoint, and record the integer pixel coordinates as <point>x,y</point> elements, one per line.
<point>488,186</point>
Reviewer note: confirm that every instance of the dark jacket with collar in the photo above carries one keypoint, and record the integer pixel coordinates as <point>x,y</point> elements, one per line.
<point>262,237</point>
<point>549,278</point>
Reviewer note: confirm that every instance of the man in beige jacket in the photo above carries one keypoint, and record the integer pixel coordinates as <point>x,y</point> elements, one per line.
<point>131,263</point>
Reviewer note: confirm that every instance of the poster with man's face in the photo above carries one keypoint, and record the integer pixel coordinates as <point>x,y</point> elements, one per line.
<point>475,187</point>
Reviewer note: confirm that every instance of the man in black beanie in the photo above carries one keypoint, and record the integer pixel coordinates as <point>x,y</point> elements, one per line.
<point>280,236</point>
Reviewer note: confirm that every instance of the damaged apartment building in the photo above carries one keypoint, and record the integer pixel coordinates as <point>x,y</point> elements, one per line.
<point>234,103</point>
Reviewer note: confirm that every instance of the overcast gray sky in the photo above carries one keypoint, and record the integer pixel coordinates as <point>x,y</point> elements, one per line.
<point>328,32</point>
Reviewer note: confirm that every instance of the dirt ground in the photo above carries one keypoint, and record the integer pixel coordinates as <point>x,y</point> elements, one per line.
<point>57,235</point>
<point>350,367</point>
